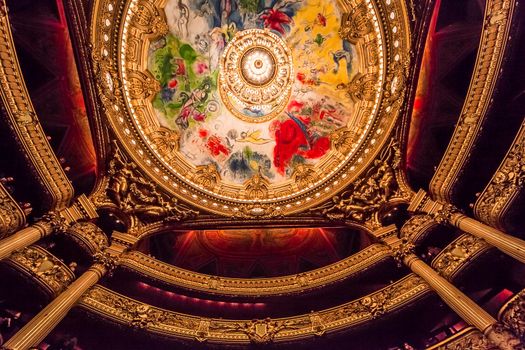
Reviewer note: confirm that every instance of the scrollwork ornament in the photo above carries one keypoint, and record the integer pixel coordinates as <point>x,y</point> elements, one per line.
<point>12,217</point>
<point>472,339</point>
<point>45,267</point>
<point>451,259</point>
<point>356,24</point>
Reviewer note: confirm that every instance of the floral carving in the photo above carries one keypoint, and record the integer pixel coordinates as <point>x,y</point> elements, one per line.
<point>471,339</point>
<point>89,236</point>
<point>416,227</point>
<point>265,331</point>
<point>261,331</point>
<point>57,222</point>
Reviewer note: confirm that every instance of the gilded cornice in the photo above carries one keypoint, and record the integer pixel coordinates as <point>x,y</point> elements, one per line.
<point>505,185</point>
<point>12,217</point>
<point>458,255</point>
<point>22,118</point>
<point>496,27</point>
<point>468,338</point>
<point>303,282</point>
<point>42,267</point>
<point>129,312</point>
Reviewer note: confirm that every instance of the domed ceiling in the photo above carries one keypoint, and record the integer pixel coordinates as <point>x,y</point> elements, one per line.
<point>253,108</point>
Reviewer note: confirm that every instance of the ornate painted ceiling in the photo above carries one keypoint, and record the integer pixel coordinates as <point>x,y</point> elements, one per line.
<point>256,109</point>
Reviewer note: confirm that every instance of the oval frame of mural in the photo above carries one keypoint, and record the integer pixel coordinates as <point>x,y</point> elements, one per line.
<point>159,80</point>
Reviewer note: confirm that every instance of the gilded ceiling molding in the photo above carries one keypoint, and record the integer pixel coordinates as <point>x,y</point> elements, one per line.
<point>496,27</point>
<point>88,236</point>
<point>12,217</point>
<point>458,255</point>
<point>42,267</point>
<point>468,338</point>
<point>303,282</point>
<point>506,184</point>
<point>126,32</point>
<point>126,311</point>
<point>512,315</point>
<point>22,118</point>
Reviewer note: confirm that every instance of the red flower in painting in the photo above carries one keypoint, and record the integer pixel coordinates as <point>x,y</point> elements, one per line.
<point>200,117</point>
<point>321,19</point>
<point>181,67</point>
<point>173,83</point>
<point>276,20</point>
<point>301,77</point>
<point>201,67</point>
<point>216,147</point>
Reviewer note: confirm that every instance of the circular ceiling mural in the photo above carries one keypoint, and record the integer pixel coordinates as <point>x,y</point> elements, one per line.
<point>253,90</point>
<point>252,107</point>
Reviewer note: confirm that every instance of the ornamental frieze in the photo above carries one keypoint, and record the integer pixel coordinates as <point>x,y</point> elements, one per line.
<point>505,185</point>
<point>340,271</point>
<point>47,270</point>
<point>458,254</point>
<point>124,310</point>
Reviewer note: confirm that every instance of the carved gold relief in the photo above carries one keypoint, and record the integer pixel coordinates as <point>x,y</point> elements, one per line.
<point>50,272</point>
<point>469,338</point>
<point>356,24</point>
<point>137,197</point>
<point>512,315</point>
<point>369,193</point>
<point>505,185</point>
<point>458,254</point>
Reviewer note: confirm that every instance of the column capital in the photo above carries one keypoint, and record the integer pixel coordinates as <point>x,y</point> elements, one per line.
<point>107,260</point>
